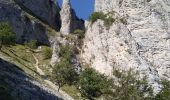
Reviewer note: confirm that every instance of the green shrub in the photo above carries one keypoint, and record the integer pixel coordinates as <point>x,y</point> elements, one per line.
<point>64,73</point>
<point>66,51</point>
<point>97,15</point>
<point>7,36</point>
<point>92,83</point>
<point>32,44</point>
<point>164,94</point>
<point>47,52</point>
<point>128,86</point>
<point>80,33</point>
<point>108,20</point>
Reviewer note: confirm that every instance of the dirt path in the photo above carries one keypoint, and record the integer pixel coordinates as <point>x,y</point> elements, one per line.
<point>37,66</point>
<point>51,84</point>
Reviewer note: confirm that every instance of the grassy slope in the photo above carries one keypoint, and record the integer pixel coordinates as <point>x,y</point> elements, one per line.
<point>22,57</point>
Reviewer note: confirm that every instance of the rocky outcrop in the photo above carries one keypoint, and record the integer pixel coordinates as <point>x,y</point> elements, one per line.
<point>25,28</point>
<point>69,20</point>
<point>45,10</point>
<point>22,86</point>
<point>139,39</point>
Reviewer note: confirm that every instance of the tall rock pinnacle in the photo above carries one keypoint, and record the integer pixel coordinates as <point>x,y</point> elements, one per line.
<point>69,20</point>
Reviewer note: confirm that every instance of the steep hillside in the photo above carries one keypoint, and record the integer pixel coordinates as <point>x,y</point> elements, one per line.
<point>122,52</point>
<point>19,86</point>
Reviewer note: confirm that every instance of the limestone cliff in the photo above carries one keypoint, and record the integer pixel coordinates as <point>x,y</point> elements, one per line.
<point>140,41</point>
<point>69,20</point>
<point>45,10</point>
<point>25,28</point>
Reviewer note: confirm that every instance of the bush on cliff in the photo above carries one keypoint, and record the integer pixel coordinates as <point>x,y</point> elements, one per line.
<point>92,84</point>
<point>127,85</point>
<point>80,33</point>
<point>31,44</point>
<point>164,94</point>
<point>7,36</point>
<point>108,20</point>
<point>97,15</point>
<point>47,52</point>
<point>64,73</point>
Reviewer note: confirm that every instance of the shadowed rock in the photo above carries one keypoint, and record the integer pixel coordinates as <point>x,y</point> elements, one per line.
<point>19,85</point>
<point>45,10</point>
<point>25,28</point>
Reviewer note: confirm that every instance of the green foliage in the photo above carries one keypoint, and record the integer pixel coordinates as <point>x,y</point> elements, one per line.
<point>7,36</point>
<point>80,33</point>
<point>124,21</point>
<point>47,52</point>
<point>32,44</point>
<point>164,94</point>
<point>92,83</point>
<point>64,73</point>
<point>127,86</point>
<point>108,20</point>
<point>73,92</point>
<point>66,51</point>
<point>97,15</point>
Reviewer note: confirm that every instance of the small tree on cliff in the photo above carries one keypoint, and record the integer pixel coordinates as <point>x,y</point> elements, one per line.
<point>128,85</point>
<point>93,84</point>
<point>7,36</point>
<point>64,73</point>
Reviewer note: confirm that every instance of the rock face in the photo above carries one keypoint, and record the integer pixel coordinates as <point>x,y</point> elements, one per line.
<point>22,86</point>
<point>141,42</point>
<point>69,20</point>
<point>25,28</point>
<point>45,10</point>
<point>105,5</point>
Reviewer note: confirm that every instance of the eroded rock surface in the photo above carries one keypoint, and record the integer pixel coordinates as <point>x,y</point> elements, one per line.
<point>141,41</point>
<point>45,10</point>
<point>69,20</point>
<point>25,28</point>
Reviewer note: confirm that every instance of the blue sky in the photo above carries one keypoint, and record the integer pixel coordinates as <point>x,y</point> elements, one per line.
<point>83,8</point>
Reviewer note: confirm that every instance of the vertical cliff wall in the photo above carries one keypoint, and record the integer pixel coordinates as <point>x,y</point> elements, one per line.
<point>45,10</point>
<point>139,38</point>
<point>25,28</point>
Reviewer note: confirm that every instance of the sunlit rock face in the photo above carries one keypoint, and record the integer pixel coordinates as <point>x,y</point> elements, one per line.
<point>142,43</point>
<point>105,5</point>
<point>69,20</point>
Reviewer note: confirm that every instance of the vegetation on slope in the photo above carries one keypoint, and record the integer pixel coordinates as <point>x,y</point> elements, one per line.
<point>7,36</point>
<point>108,20</point>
